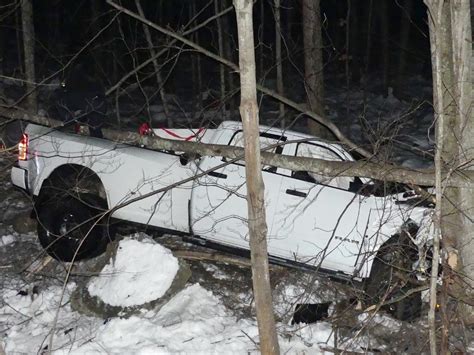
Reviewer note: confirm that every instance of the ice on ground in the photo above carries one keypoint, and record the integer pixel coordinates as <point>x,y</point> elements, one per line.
<point>142,271</point>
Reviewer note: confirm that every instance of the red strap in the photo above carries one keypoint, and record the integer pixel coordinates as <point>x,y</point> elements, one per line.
<point>171,133</point>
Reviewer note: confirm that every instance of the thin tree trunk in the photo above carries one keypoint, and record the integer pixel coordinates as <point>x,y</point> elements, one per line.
<point>255,188</point>
<point>279,67</point>
<point>196,92</point>
<point>368,43</point>
<point>156,66</point>
<point>19,41</point>
<point>261,37</point>
<point>385,53</point>
<point>29,52</point>
<point>313,64</point>
<point>405,25</point>
<point>197,63</point>
<point>354,45</point>
<point>220,41</point>
<point>348,46</point>
<point>96,25</point>
<point>440,137</point>
<point>228,50</point>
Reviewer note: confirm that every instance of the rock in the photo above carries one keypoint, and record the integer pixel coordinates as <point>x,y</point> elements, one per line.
<point>3,229</point>
<point>83,302</point>
<point>15,209</point>
<point>23,224</point>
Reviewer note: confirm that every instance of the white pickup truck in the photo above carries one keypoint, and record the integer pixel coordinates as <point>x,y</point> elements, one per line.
<point>338,225</point>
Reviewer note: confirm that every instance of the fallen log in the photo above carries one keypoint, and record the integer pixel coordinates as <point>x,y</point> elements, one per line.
<point>383,172</point>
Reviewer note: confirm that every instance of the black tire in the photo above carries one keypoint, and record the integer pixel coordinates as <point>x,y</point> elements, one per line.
<point>68,228</point>
<point>390,279</point>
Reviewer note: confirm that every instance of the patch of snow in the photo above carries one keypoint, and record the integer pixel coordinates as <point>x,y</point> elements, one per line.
<point>381,320</point>
<point>7,239</point>
<point>27,320</point>
<point>141,272</point>
<point>216,272</point>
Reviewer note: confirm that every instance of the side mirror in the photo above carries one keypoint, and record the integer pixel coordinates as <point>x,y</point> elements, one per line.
<point>185,158</point>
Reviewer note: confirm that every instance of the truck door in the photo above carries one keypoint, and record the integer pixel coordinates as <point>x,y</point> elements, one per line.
<point>318,220</point>
<point>218,204</point>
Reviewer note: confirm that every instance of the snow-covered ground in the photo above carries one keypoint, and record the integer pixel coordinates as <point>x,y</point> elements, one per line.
<point>194,321</point>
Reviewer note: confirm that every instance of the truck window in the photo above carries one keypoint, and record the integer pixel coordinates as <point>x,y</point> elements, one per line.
<point>272,142</point>
<point>311,150</point>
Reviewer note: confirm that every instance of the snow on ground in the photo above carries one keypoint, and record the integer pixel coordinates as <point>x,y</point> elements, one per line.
<point>7,239</point>
<point>131,278</point>
<point>194,321</point>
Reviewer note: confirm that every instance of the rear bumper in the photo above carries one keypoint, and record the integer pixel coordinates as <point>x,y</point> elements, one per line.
<point>19,177</point>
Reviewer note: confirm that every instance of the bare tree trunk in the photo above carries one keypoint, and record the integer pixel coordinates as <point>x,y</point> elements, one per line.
<point>354,49</point>
<point>463,95</point>
<point>228,50</point>
<point>384,28</point>
<point>279,68</point>
<point>220,41</point>
<point>19,40</point>
<point>405,29</point>
<point>96,25</point>
<point>313,64</point>
<point>262,47</point>
<point>440,138</point>
<point>156,66</point>
<point>196,62</point>
<point>255,188</point>
<point>368,43</point>
<point>348,46</point>
<point>451,50</point>
<point>29,51</point>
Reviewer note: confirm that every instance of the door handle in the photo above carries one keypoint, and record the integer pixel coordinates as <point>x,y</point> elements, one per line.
<point>296,193</point>
<point>218,175</point>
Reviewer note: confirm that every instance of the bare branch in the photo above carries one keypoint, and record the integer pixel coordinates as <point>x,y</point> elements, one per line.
<point>325,122</point>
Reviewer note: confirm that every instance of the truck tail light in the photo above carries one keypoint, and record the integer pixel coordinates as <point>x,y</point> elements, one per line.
<point>23,147</point>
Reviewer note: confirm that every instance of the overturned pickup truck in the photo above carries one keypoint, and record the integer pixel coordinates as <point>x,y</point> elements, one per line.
<point>350,227</point>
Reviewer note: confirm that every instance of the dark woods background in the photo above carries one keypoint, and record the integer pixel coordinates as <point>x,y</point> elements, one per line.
<point>373,44</point>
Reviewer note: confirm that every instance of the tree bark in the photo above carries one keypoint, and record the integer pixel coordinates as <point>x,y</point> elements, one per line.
<point>29,52</point>
<point>451,50</point>
<point>255,187</point>
<point>385,52</point>
<point>229,54</point>
<point>220,42</point>
<point>156,66</point>
<point>279,67</point>
<point>463,95</point>
<point>261,37</point>
<point>405,30</point>
<point>313,64</point>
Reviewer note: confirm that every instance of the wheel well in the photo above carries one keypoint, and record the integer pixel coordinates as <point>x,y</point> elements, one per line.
<point>79,179</point>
